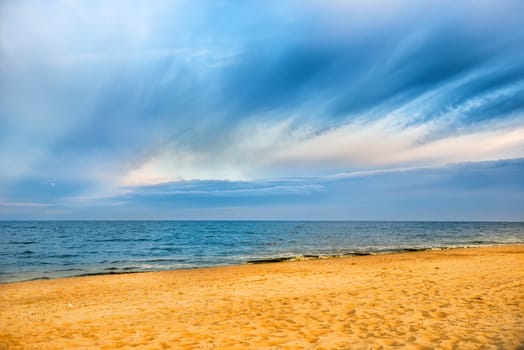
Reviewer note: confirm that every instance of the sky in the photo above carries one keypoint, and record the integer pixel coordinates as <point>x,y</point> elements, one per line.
<point>262,110</point>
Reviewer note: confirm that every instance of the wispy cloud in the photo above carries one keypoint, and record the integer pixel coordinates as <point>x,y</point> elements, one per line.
<point>104,96</point>
<point>4,203</point>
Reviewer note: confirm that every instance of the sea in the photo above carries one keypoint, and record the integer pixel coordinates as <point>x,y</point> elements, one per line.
<point>50,249</point>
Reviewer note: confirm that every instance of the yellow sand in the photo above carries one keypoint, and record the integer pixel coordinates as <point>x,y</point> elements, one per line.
<point>454,299</point>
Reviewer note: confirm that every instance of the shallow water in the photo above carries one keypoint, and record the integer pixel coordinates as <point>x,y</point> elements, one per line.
<point>50,249</point>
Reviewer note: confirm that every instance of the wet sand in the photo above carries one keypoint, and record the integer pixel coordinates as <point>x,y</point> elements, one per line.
<point>462,298</point>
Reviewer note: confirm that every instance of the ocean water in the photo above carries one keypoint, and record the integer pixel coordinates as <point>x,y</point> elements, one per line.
<point>50,249</point>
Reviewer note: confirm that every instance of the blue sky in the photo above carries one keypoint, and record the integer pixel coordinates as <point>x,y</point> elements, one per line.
<point>376,110</point>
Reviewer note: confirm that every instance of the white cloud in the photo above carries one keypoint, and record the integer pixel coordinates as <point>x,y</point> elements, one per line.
<point>384,143</point>
<point>259,148</point>
<point>14,204</point>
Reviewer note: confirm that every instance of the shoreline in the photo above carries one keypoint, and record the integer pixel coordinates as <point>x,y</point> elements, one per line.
<point>464,298</point>
<point>268,260</point>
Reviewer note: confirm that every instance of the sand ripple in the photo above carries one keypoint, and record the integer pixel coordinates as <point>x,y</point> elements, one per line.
<point>457,299</point>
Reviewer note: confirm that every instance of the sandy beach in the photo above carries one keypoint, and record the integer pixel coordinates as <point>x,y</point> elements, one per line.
<point>452,299</point>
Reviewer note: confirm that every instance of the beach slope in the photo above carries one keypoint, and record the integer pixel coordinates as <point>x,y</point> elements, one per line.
<point>461,298</point>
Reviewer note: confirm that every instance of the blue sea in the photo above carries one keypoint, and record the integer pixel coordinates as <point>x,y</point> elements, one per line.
<point>51,249</point>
